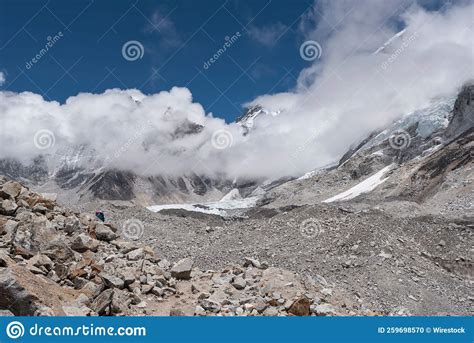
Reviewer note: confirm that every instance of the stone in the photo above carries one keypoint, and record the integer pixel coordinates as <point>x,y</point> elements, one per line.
<point>7,227</point>
<point>147,289</point>
<point>324,310</point>
<point>260,305</point>
<point>270,312</point>
<point>127,276</point>
<point>10,189</point>
<point>83,242</point>
<point>199,311</point>
<point>177,312</point>
<point>41,260</point>
<point>300,307</point>
<point>210,305</point>
<point>104,233</point>
<point>182,269</point>
<point>121,301</point>
<point>6,313</point>
<point>112,281</point>
<point>71,225</point>
<point>135,255</point>
<point>101,304</point>
<point>26,294</point>
<point>33,234</point>
<point>239,282</point>
<point>8,207</point>
<point>39,208</point>
<point>248,261</point>
<point>74,311</point>
<point>158,291</point>
<point>58,251</point>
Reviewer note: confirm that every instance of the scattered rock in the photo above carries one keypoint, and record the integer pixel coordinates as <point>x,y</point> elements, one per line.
<point>325,310</point>
<point>239,282</point>
<point>104,233</point>
<point>300,307</point>
<point>83,242</point>
<point>182,269</point>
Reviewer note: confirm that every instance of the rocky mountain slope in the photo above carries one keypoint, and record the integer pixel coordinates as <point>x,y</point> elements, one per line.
<point>425,160</point>
<point>54,261</point>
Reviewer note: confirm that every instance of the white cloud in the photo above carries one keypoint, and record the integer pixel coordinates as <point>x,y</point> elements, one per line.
<point>338,100</point>
<point>2,78</point>
<point>163,25</point>
<point>268,35</point>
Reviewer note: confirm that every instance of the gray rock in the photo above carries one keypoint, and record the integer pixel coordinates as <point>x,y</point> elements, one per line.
<point>6,313</point>
<point>40,261</point>
<point>182,269</point>
<point>324,310</point>
<point>270,312</point>
<point>8,207</point>
<point>83,242</point>
<point>71,225</point>
<point>101,304</point>
<point>10,189</point>
<point>210,305</point>
<point>135,255</point>
<point>112,281</point>
<point>104,233</point>
<point>33,234</point>
<point>74,311</point>
<point>248,261</point>
<point>199,311</point>
<point>239,283</point>
<point>39,208</point>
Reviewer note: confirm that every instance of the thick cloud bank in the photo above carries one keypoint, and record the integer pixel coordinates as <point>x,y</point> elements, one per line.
<point>345,94</point>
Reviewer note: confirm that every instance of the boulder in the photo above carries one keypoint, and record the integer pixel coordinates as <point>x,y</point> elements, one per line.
<point>325,310</point>
<point>8,207</point>
<point>74,311</point>
<point>105,233</point>
<point>135,255</point>
<point>26,294</point>
<point>34,234</point>
<point>39,208</point>
<point>72,225</point>
<point>182,269</point>
<point>6,313</point>
<point>239,282</point>
<point>101,304</point>
<point>83,242</point>
<point>10,189</point>
<point>112,281</point>
<point>301,307</point>
<point>210,305</point>
<point>41,261</point>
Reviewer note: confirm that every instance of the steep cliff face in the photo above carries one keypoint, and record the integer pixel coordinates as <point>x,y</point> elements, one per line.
<point>463,113</point>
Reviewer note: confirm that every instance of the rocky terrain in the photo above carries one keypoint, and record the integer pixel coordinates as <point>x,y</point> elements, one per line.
<point>54,261</point>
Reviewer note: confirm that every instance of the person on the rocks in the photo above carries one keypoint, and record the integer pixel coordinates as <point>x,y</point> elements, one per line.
<point>100,215</point>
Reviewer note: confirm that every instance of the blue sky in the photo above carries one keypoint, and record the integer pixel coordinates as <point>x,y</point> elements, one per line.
<point>178,38</point>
